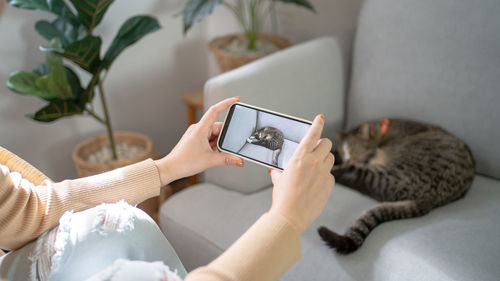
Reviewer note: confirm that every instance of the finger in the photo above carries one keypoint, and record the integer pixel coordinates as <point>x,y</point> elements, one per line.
<point>211,115</point>
<point>311,138</point>
<point>331,181</point>
<point>213,136</point>
<point>329,161</point>
<point>225,159</point>
<point>213,144</point>
<point>323,148</point>
<point>274,174</point>
<point>216,128</point>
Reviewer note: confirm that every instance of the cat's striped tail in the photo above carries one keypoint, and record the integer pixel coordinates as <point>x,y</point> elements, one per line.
<point>356,234</point>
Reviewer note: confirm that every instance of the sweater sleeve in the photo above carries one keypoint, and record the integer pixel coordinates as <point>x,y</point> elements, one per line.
<point>28,211</point>
<point>265,252</point>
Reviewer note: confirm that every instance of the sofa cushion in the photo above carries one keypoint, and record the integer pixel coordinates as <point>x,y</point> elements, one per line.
<point>202,221</point>
<point>257,152</point>
<point>433,61</point>
<point>455,242</point>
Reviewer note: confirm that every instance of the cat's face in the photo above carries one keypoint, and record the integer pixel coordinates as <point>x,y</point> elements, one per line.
<point>259,137</point>
<point>359,146</point>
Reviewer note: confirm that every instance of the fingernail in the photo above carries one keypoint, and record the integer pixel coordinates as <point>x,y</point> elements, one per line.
<point>322,116</point>
<point>237,98</point>
<point>239,163</point>
<point>269,172</point>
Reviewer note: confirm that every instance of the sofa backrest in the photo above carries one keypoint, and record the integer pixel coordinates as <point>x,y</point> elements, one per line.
<point>436,61</point>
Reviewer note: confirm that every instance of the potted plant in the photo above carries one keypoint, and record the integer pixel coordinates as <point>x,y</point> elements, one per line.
<point>232,51</point>
<point>70,37</point>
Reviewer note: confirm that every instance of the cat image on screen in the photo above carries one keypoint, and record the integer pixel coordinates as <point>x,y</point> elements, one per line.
<point>270,138</point>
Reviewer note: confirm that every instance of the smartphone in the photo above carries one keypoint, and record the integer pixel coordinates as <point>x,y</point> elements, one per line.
<point>262,136</point>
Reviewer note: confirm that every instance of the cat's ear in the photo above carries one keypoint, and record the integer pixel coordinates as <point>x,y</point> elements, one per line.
<point>365,130</point>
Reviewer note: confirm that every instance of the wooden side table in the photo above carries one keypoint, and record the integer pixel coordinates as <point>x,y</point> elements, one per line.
<point>193,101</point>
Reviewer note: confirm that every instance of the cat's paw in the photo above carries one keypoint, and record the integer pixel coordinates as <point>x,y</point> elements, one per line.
<point>341,244</point>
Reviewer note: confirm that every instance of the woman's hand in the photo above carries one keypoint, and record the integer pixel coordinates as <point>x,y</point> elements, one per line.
<point>301,191</point>
<point>195,152</point>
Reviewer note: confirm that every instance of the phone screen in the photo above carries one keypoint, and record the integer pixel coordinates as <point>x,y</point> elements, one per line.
<point>263,136</point>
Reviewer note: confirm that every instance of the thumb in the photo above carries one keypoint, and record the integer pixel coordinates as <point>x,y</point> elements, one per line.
<point>230,160</point>
<point>274,174</point>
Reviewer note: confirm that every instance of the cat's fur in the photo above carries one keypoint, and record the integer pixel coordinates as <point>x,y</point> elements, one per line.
<point>268,137</point>
<point>412,168</point>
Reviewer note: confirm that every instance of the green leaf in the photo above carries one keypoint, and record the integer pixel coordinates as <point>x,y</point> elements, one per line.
<point>42,69</point>
<point>56,81</point>
<point>55,110</point>
<point>74,83</point>
<point>57,7</point>
<point>84,52</point>
<point>59,28</point>
<point>196,10</point>
<point>48,81</point>
<point>303,3</point>
<point>90,12</point>
<point>130,32</point>
<point>24,83</point>
<point>49,31</point>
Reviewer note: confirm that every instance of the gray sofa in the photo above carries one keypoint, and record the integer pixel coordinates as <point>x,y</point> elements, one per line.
<point>434,61</point>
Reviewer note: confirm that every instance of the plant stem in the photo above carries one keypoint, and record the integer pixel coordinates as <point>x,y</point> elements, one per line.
<point>93,114</point>
<point>248,13</point>
<point>92,84</point>
<point>108,121</point>
<point>252,40</point>
<point>253,15</point>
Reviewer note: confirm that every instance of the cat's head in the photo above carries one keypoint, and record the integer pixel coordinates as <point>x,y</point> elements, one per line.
<point>359,146</point>
<point>259,136</point>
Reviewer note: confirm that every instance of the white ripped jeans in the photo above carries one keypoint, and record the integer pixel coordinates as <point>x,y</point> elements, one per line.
<point>108,242</point>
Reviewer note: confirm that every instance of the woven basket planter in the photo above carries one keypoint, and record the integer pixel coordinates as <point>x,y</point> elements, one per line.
<point>228,61</point>
<point>87,147</point>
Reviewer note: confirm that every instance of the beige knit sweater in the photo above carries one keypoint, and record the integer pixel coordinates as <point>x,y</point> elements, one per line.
<point>264,252</point>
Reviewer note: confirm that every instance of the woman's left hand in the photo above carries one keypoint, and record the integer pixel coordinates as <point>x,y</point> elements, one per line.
<point>196,151</point>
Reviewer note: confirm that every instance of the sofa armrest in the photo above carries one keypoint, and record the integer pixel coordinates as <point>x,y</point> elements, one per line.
<point>303,80</point>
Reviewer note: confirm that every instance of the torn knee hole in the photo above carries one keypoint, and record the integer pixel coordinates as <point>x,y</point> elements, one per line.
<point>114,217</point>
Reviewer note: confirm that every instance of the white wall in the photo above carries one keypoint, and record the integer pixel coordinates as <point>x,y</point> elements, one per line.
<point>145,83</point>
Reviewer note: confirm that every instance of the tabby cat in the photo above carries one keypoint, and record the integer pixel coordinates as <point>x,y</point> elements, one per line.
<point>268,137</point>
<point>410,167</point>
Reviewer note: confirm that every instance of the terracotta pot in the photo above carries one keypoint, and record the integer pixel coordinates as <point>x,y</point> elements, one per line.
<point>89,146</point>
<point>228,61</point>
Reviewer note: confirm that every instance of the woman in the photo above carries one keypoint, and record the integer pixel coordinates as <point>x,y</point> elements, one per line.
<point>107,241</point>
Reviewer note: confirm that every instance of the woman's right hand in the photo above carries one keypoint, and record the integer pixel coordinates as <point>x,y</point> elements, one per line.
<point>301,191</point>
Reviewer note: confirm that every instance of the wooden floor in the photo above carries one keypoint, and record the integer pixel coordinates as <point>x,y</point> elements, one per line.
<point>152,205</point>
